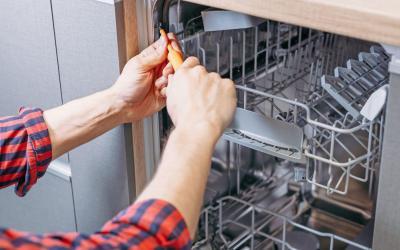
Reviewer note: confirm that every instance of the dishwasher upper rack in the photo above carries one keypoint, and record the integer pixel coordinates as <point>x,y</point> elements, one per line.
<point>275,54</point>
<point>314,147</point>
<point>275,51</point>
<point>272,57</point>
<point>362,148</point>
<point>331,140</point>
<point>254,232</point>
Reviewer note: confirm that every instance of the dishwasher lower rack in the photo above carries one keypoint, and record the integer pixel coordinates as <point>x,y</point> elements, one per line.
<point>260,206</point>
<point>235,223</point>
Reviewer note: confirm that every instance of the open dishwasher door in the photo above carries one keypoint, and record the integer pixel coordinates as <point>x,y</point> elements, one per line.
<point>297,169</point>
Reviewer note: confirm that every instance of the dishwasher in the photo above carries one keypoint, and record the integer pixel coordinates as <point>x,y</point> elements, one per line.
<point>298,166</point>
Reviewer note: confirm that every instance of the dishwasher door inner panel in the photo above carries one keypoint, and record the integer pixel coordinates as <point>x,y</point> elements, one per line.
<point>298,166</point>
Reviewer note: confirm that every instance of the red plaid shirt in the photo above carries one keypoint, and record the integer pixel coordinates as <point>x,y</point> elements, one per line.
<point>25,153</point>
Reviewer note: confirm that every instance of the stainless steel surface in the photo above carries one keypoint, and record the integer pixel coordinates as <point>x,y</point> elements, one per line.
<point>387,222</point>
<point>301,241</point>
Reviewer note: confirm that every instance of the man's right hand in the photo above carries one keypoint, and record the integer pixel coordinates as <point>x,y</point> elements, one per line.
<point>201,105</point>
<point>197,99</point>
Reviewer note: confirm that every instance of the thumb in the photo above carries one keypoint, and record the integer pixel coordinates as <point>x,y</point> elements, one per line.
<point>153,55</point>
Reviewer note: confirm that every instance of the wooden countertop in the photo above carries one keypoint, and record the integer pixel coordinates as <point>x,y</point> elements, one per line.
<point>373,20</point>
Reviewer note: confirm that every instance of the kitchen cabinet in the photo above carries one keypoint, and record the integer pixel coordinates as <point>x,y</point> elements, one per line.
<point>88,46</point>
<point>28,56</point>
<point>52,52</point>
<point>371,20</point>
<point>29,77</point>
<point>49,207</point>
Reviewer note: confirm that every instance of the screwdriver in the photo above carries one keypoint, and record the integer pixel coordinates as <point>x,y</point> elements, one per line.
<point>174,57</point>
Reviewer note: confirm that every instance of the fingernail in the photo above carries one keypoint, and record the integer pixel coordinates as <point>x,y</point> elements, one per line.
<point>162,44</point>
<point>163,41</point>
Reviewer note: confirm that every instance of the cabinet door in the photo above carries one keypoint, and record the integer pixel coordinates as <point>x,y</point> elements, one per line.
<point>29,77</point>
<point>28,60</point>
<point>48,207</point>
<point>88,53</point>
<point>53,52</point>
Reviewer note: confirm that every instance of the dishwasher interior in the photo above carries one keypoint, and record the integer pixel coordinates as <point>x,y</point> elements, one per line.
<point>298,167</point>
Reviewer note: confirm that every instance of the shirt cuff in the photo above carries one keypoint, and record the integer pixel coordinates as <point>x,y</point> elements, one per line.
<point>158,219</point>
<point>38,151</point>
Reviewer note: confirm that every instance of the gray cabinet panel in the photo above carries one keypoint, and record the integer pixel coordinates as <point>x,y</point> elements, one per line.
<point>87,45</point>
<point>28,61</point>
<point>48,207</point>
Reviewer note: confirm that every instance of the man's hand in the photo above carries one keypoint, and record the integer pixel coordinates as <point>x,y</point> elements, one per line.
<point>138,87</point>
<point>201,105</point>
<point>197,99</point>
<point>134,96</point>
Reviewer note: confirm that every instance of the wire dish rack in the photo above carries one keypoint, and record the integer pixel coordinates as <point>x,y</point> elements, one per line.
<point>290,74</point>
<point>272,212</point>
<point>237,224</point>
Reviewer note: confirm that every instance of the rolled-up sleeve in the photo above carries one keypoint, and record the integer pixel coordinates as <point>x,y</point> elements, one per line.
<point>25,149</point>
<point>150,224</point>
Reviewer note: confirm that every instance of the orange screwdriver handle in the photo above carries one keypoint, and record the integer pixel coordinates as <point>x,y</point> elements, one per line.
<point>174,56</point>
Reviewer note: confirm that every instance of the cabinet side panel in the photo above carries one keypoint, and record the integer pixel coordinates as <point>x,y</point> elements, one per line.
<point>29,77</point>
<point>387,219</point>
<point>87,43</point>
<point>28,61</point>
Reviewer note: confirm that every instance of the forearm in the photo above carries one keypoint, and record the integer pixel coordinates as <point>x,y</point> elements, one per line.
<point>182,174</point>
<point>81,120</point>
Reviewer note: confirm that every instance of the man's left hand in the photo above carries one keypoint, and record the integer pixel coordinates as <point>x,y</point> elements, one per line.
<point>139,85</point>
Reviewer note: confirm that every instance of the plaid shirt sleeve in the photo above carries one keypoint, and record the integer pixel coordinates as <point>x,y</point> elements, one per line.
<point>25,153</point>
<point>25,149</point>
<point>151,224</point>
